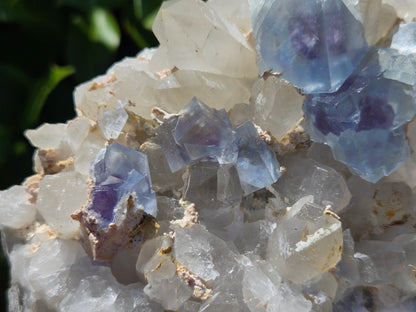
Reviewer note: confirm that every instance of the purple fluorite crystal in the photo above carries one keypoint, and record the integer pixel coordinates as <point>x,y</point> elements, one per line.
<point>201,133</point>
<point>364,121</point>
<point>198,132</point>
<point>314,44</point>
<point>120,171</point>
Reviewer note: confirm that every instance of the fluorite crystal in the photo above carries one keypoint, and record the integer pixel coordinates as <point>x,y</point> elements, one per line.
<point>201,133</point>
<point>363,121</point>
<point>121,201</point>
<point>256,164</point>
<point>200,186</point>
<point>405,39</point>
<point>315,44</point>
<point>120,171</point>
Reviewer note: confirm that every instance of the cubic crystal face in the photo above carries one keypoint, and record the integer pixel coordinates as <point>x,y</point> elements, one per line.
<point>201,133</point>
<point>307,243</point>
<point>364,120</point>
<point>405,39</point>
<point>256,164</point>
<point>122,203</point>
<point>119,171</point>
<point>315,44</point>
<point>233,230</point>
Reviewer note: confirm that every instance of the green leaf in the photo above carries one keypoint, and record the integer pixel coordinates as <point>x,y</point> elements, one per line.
<point>87,56</point>
<point>87,5</point>
<point>149,19</point>
<point>145,8</point>
<point>104,28</point>
<point>39,92</point>
<point>134,34</point>
<point>19,147</point>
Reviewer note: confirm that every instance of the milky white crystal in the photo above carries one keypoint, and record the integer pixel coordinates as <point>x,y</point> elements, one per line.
<point>319,239</point>
<point>56,201</point>
<point>15,210</point>
<point>271,97</point>
<point>307,242</point>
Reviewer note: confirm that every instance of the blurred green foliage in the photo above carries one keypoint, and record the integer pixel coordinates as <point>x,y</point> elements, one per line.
<point>47,48</point>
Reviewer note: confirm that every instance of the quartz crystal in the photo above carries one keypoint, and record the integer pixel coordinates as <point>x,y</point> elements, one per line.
<point>188,182</point>
<point>306,243</point>
<point>272,96</point>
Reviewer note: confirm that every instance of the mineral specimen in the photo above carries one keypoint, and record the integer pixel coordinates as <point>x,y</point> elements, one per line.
<point>363,121</point>
<point>121,202</point>
<point>315,44</point>
<point>200,186</point>
<point>202,133</point>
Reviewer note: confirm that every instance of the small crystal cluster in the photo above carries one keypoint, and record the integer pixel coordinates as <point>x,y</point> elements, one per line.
<point>120,201</point>
<point>187,182</point>
<point>358,101</point>
<point>200,133</point>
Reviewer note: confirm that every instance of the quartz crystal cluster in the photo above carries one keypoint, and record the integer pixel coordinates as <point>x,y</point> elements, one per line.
<point>260,159</point>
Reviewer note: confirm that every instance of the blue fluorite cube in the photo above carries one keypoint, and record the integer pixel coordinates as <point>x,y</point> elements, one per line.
<point>203,131</point>
<point>314,44</point>
<point>198,132</point>
<point>201,135</point>
<point>176,155</point>
<point>119,171</point>
<point>364,120</point>
<point>256,163</point>
<point>405,39</point>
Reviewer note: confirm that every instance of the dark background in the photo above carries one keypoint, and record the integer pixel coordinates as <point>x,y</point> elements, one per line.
<point>47,48</point>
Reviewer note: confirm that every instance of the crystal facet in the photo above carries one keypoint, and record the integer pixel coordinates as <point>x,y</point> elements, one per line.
<point>363,121</point>
<point>118,171</point>
<point>315,44</point>
<point>202,133</point>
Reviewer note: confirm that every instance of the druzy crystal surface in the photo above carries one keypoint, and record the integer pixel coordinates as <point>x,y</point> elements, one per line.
<point>315,44</point>
<point>187,182</point>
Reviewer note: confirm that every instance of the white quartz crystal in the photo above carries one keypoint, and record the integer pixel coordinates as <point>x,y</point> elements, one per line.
<point>200,50</point>
<point>203,253</point>
<point>306,242</point>
<point>59,196</point>
<point>319,239</point>
<point>406,9</point>
<point>15,209</point>
<point>271,97</point>
<point>47,135</point>
<point>113,121</point>
<point>308,177</point>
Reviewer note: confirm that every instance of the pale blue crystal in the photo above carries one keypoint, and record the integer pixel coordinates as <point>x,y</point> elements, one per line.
<point>314,44</point>
<point>405,39</point>
<point>205,135</point>
<point>176,155</point>
<point>372,154</point>
<point>118,171</point>
<point>203,131</point>
<point>256,163</point>
<point>198,132</point>
<point>364,120</point>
